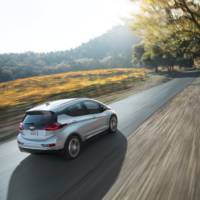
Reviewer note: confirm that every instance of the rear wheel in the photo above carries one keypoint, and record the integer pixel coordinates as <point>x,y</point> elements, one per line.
<point>113,124</point>
<point>72,147</point>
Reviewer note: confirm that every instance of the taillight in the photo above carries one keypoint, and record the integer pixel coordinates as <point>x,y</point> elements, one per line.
<point>21,126</point>
<point>53,127</point>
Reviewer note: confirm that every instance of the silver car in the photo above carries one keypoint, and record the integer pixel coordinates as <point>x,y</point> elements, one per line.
<point>64,125</point>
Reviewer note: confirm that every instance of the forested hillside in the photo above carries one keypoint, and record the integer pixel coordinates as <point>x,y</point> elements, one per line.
<point>112,49</point>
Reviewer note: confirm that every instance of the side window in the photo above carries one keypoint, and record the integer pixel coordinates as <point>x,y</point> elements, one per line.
<point>93,107</point>
<point>76,110</point>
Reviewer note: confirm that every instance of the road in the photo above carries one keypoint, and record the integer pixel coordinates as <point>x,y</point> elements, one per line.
<point>24,176</point>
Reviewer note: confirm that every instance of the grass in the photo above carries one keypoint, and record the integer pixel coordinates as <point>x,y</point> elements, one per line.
<point>70,84</point>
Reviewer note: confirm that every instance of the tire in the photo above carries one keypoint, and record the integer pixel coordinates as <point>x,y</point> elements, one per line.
<point>113,124</point>
<point>72,147</point>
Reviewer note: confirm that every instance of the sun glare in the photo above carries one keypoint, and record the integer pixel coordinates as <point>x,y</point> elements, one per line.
<point>136,7</point>
<point>50,25</point>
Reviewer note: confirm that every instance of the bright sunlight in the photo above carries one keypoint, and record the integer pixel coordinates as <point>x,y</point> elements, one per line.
<point>50,25</point>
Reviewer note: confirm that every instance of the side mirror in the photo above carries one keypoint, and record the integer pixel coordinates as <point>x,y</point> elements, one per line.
<point>103,108</point>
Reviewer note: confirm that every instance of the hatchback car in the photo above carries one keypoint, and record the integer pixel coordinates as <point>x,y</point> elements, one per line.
<point>64,125</point>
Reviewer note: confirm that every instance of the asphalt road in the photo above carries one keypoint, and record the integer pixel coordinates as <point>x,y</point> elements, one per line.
<point>30,177</point>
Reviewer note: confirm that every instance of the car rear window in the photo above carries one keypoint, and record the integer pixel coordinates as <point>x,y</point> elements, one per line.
<point>38,120</point>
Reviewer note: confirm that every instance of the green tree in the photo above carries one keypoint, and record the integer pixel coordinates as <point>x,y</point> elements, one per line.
<point>138,52</point>
<point>172,25</point>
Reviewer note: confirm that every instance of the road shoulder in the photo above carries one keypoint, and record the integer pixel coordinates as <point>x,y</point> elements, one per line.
<point>163,156</point>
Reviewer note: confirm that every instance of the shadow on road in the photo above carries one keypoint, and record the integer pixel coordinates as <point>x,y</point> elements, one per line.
<point>88,177</point>
<point>184,74</point>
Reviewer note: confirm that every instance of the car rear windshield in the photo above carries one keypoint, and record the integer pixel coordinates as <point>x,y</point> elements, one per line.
<point>38,119</point>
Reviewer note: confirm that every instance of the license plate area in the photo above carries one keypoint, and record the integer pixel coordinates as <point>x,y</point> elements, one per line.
<point>34,133</point>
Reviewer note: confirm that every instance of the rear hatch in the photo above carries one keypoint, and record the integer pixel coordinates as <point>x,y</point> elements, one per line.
<point>35,124</point>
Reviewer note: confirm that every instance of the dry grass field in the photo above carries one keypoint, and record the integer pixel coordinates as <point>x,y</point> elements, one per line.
<point>70,84</point>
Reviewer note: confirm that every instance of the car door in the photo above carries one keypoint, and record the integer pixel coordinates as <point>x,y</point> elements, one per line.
<point>96,110</point>
<point>83,122</point>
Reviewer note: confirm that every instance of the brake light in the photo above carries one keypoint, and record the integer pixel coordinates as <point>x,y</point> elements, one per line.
<point>21,126</point>
<point>53,127</point>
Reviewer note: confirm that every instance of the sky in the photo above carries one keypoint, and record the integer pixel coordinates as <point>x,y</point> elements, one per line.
<point>51,25</point>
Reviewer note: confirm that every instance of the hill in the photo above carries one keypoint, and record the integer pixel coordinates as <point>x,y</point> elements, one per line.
<point>110,50</point>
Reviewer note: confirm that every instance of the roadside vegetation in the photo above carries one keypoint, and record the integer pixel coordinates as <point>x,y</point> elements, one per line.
<point>71,84</point>
<point>170,33</point>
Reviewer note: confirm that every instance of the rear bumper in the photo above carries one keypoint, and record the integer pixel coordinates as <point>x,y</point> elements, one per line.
<point>38,151</point>
<point>50,144</point>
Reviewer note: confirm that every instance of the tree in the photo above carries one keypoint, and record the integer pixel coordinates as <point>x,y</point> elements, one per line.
<point>138,52</point>
<point>172,25</point>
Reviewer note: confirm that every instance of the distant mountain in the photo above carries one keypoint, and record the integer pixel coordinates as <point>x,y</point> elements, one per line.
<point>110,50</point>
